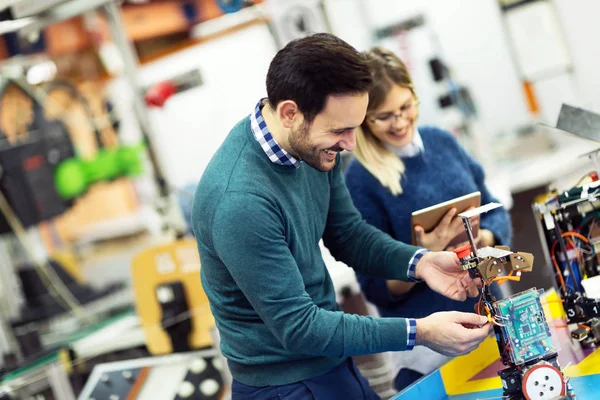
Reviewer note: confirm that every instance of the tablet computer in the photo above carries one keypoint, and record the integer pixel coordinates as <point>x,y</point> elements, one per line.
<point>431,216</point>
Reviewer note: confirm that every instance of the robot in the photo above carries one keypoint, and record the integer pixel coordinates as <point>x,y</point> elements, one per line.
<point>522,332</point>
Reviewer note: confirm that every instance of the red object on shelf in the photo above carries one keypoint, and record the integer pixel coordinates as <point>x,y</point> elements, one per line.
<point>158,94</point>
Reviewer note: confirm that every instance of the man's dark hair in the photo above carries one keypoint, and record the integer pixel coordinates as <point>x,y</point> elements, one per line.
<point>310,69</point>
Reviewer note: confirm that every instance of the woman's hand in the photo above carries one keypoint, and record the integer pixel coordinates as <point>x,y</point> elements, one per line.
<point>438,239</point>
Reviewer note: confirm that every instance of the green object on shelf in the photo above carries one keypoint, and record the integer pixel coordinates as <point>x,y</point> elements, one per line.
<point>70,179</point>
<point>73,176</point>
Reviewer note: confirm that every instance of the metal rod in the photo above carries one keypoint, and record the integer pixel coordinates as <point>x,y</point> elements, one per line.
<point>467,224</point>
<point>595,158</point>
<point>130,63</point>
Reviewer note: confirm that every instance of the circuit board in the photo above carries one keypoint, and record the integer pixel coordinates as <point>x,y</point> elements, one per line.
<point>526,332</point>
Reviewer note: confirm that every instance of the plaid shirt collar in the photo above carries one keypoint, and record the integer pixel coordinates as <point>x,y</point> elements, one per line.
<point>267,142</point>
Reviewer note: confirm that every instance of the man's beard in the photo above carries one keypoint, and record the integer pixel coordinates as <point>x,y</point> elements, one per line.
<point>305,151</point>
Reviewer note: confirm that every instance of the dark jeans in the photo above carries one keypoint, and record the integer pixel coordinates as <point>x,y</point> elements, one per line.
<point>405,378</point>
<point>341,383</point>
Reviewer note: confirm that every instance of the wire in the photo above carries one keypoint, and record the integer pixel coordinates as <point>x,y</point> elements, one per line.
<point>502,279</point>
<point>561,278</point>
<point>588,175</point>
<point>575,234</point>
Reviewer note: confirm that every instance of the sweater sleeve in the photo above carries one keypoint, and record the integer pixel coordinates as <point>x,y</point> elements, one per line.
<point>498,220</point>
<point>353,241</point>
<point>248,236</point>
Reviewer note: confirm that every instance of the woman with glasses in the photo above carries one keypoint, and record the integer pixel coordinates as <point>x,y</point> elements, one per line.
<point>399,169</point>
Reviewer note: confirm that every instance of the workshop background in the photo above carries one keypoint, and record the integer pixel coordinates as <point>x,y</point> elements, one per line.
<point>110,111</point>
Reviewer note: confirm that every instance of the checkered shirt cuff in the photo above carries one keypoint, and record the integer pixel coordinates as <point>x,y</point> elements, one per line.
<point>411,330</point>
<point>413,264</point>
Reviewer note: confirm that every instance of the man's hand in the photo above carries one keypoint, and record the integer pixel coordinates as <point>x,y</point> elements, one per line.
<point>452,333</point>
<point>442,273</point>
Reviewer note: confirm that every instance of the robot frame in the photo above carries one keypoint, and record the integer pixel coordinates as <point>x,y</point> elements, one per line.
<point>569,227</point>
<point>523,334</point>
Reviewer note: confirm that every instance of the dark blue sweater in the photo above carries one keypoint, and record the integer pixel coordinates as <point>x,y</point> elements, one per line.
<point>442,172</point>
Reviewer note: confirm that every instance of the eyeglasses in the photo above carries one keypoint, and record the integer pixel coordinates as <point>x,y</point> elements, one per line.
<point>388,118</point>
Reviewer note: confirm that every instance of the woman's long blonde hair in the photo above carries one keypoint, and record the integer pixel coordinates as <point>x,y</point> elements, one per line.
<point>387,71</point>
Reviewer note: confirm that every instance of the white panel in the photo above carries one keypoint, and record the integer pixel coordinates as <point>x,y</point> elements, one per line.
<point>192,124</point>
<point>552,93</point>
<point>470,36</point>
<point>579,19</point>
<point>293,19</point>
<point>537,39</point>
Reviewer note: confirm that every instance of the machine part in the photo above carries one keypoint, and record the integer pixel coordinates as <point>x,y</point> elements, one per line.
<point>27,183</point>
<point>526,334</point>
<point>172,300</point>
<point>28,338</point>
<point>203,380</point>
<point>183,376</point>
<point>580,334</point>
<point>595,328</point>
<point>511,381</point>
<point>579,122</point>
<point>543,382</point>
<point>41,305</point>
<point>122,384</point>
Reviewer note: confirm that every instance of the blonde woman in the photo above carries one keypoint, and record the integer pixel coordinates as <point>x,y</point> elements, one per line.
<point>400,168</point>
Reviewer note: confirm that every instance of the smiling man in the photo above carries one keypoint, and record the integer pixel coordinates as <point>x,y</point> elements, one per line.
<point>272,191</point>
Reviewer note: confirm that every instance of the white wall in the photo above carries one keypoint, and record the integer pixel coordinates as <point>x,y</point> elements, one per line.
<point>581,27</point>
<point>192,124</point>
<point>471,39</point>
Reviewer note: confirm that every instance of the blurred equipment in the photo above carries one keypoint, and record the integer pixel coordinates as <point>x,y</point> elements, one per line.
<point>193,376</point>
<point>569,226</point>
<point>74,175</point>
<point>30,150</point>
<point>294,19</point>
<point>169,298</point>
<point>158,94</point>
<point>522,331</point>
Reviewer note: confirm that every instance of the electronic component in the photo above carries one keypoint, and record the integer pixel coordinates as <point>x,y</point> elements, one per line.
<point>524,326</point>
<point>580,334</point>
<point>569,225</point>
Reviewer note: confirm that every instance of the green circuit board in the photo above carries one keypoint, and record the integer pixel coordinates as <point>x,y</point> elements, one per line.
<point>526,332</point>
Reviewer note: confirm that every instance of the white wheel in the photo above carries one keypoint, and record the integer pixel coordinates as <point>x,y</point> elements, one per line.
<point>198,366</point>
<point>209,387</point>
<point>186,390</point>
<point>543,382</point>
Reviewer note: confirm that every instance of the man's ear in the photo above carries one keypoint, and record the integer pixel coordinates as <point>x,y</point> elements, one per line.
<point>287,111</point>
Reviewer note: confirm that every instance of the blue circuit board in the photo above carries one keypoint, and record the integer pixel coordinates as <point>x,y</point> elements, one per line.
<point>526,332</point>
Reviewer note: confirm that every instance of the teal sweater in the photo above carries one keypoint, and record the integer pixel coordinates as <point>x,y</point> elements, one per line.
<point>258,226</point>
